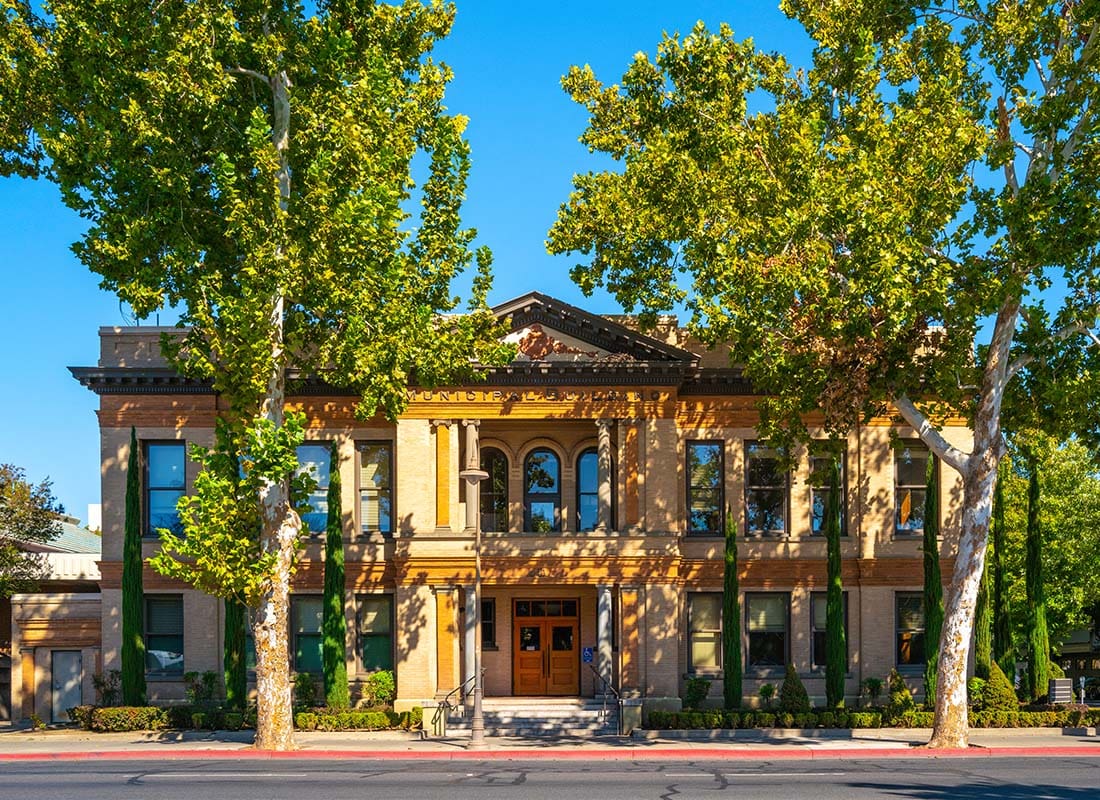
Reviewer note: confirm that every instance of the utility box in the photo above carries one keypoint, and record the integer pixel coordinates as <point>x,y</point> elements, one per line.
<point>1060,691</point>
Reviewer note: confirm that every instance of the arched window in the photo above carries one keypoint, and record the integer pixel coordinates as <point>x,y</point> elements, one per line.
<point>494,491</point>
<point>542,491</point>
<point>588,490</point>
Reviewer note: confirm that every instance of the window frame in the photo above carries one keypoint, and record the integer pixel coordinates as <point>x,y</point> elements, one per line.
<point>530,497</point>
<point>749,633</point>
<point>483,495</point>
<point>488,622</point>
<point>909,667</point>
<point>322,483</point>
<point>580,493</point>
<point>295,601</point>
<point>389,491</point>
<point>820,453</point>
<point>360,607</point>
<point>899,448</point>
<point>694,632</point>
<point>146,633</point>
<point>750,489</point>
<point>147,487</point>
<point>823,597</point>
<point>720,486</point>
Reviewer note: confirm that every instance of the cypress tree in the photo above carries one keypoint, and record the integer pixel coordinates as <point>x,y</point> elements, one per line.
<point>983,629</point>
<point>133,592</point>
<point>1038,671</point>
<point>933,584</point>
<point>334,623</point>
<point>836,645</point>
<point>1002,625</point>
<point>233,655</point>
<point>731,621</point>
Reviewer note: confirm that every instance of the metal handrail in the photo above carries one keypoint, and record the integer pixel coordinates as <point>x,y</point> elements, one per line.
<point>609,687</point>
<point>445,706</point>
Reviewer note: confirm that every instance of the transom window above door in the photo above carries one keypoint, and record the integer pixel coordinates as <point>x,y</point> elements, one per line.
<point>546,608</point>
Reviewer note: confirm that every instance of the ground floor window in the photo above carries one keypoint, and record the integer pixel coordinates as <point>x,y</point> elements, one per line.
<point>818,606</point>
<point>488,624</point>
<point>164,635</point>
<point>767,622</point>
<point>305,630</point>
<point>910,629</point>
<point>705,630</point>
<point>374,631</point>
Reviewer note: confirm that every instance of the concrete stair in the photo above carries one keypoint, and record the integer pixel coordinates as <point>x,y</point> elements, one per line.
<point>538,716</point>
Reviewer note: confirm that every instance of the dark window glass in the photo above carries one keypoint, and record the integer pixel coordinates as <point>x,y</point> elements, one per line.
<point>523,608</point>
<point>910,480</point>
<point>705,630</point>
<point>494,491</point>
<point>315,460</point>
<point>375,487</point>
<point>818,608</point>
<point>375,631</point>
<point>164,635</point>
<point>305,633</point>
<point>542,492</point>
<point>766,492</point>
<point>569,608</point>
<point>910,630</point>
<point>489,623</point>
<point>165,479</point>
<point>820,466</point>
<point>767,617</point>
<point>704,475</point>
<point>588,488</point>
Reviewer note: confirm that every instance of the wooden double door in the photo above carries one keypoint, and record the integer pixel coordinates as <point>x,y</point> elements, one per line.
<point>545,650</point>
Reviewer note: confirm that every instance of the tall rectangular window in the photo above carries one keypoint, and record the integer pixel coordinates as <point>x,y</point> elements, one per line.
<point>766,490</point>
<point>910,480</point>
<point>376,487</point>
<point>306,614</point>
<point>488,624</point>
<point>767,619</point>
<point>705,630</point>
<point>704,489</point>
<point>315,460</point>
<point>164,634</point>
<point>164,481</point>
<point>910,629</point>
<point>818,611</point>
<point>820,470</point>
<point>374,631</point>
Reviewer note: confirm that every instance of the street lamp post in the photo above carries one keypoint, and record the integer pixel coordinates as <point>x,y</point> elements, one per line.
<point>473,477</point>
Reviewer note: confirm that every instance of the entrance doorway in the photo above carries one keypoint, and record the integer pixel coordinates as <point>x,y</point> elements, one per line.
<point>66,679</point>
<point>545,653</point>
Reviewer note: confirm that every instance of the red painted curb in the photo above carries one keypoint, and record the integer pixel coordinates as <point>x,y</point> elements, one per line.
<point>560,754</point>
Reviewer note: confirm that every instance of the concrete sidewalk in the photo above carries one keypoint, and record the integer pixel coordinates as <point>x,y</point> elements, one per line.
<point>747,744</point>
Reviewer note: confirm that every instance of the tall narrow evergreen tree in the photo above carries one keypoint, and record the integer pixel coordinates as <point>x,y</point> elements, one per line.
<point>1003,651</point>
<point>731,621</point>
<point>836,644</point>
<point>233,655</point>
<point>334,624</point>
<point>983,629</point>
<point>1038,671</point>
<point>933,583</point>
<point>133,593</point>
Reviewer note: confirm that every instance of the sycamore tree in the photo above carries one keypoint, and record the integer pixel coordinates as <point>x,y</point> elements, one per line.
<point>252,165</point>
<point>856,226</point>
<point>28,516</point>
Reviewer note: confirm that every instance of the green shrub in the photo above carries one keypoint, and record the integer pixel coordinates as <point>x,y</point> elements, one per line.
<point>805,721</point>
<point>81,715</point>
<point>784,720</point>
<point>348,720</point>
<point>180,716</point>
<point>128,718</point>
<point>901,699</point>
<point>792,696</point>
<point>864,719</point>
<point>873,689</point>
<point>1054,669</point>
<point>998,694</point>
<point>695,692</point>
<point>765,720</point>
<point>827,719</point>
<point>658,720</point>
<point>413,719</point>
<point>108,687</point>
<point>202,689</point>
<point>766,692</point>
<point>305,721</point>
<point>974,689</point>
<point>379,688</point>
<point>233,720</point>
<point>841,718</point>
<point>913,718</point>
<point>305,690</point>
<point>731,720</point>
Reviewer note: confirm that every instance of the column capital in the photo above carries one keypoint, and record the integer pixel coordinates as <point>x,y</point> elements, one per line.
<point>441,423</point>
<point>605,423</point>
<point>471,423</point>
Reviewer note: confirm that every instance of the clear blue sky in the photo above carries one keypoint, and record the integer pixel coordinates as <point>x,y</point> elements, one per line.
<point>508,58</point>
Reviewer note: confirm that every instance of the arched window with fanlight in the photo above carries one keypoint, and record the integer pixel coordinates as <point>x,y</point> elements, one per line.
<point>588,490</point>
<point>542,491</point>
<point>494,490</point>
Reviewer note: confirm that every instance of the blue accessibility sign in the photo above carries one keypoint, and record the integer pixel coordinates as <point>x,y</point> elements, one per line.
<point>588,655</point>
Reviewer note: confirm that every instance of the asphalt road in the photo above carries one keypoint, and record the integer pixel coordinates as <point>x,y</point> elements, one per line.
<point>907,779</point>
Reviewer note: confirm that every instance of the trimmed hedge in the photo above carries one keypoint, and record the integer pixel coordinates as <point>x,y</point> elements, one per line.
<point>1062,717</point>
<point>341,720</point>
<point>127,718</point>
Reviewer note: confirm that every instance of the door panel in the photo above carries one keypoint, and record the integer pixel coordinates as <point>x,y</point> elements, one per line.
<point>562,659</point>
<point>528,660</point>
<point>67,675</point>
<point>546,656</point>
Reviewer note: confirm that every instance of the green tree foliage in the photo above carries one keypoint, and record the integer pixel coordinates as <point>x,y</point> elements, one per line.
<point>731,621</point>
<point>1037,639</point>
<point>793,698</point>
<point>253,167</point>
<point>133,591</point>
<point>933,582</point>
<point>983,627</point>
<point>998,694</point>
<point>901,699</point>
<point>334,624</point>
<point>28,516</point>
<point>1003,651</point>
<point>234,661</point>
<point>828,223</point>
<point>836,644</point>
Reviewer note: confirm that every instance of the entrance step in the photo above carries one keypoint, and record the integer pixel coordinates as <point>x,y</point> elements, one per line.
<point>539,716</point>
